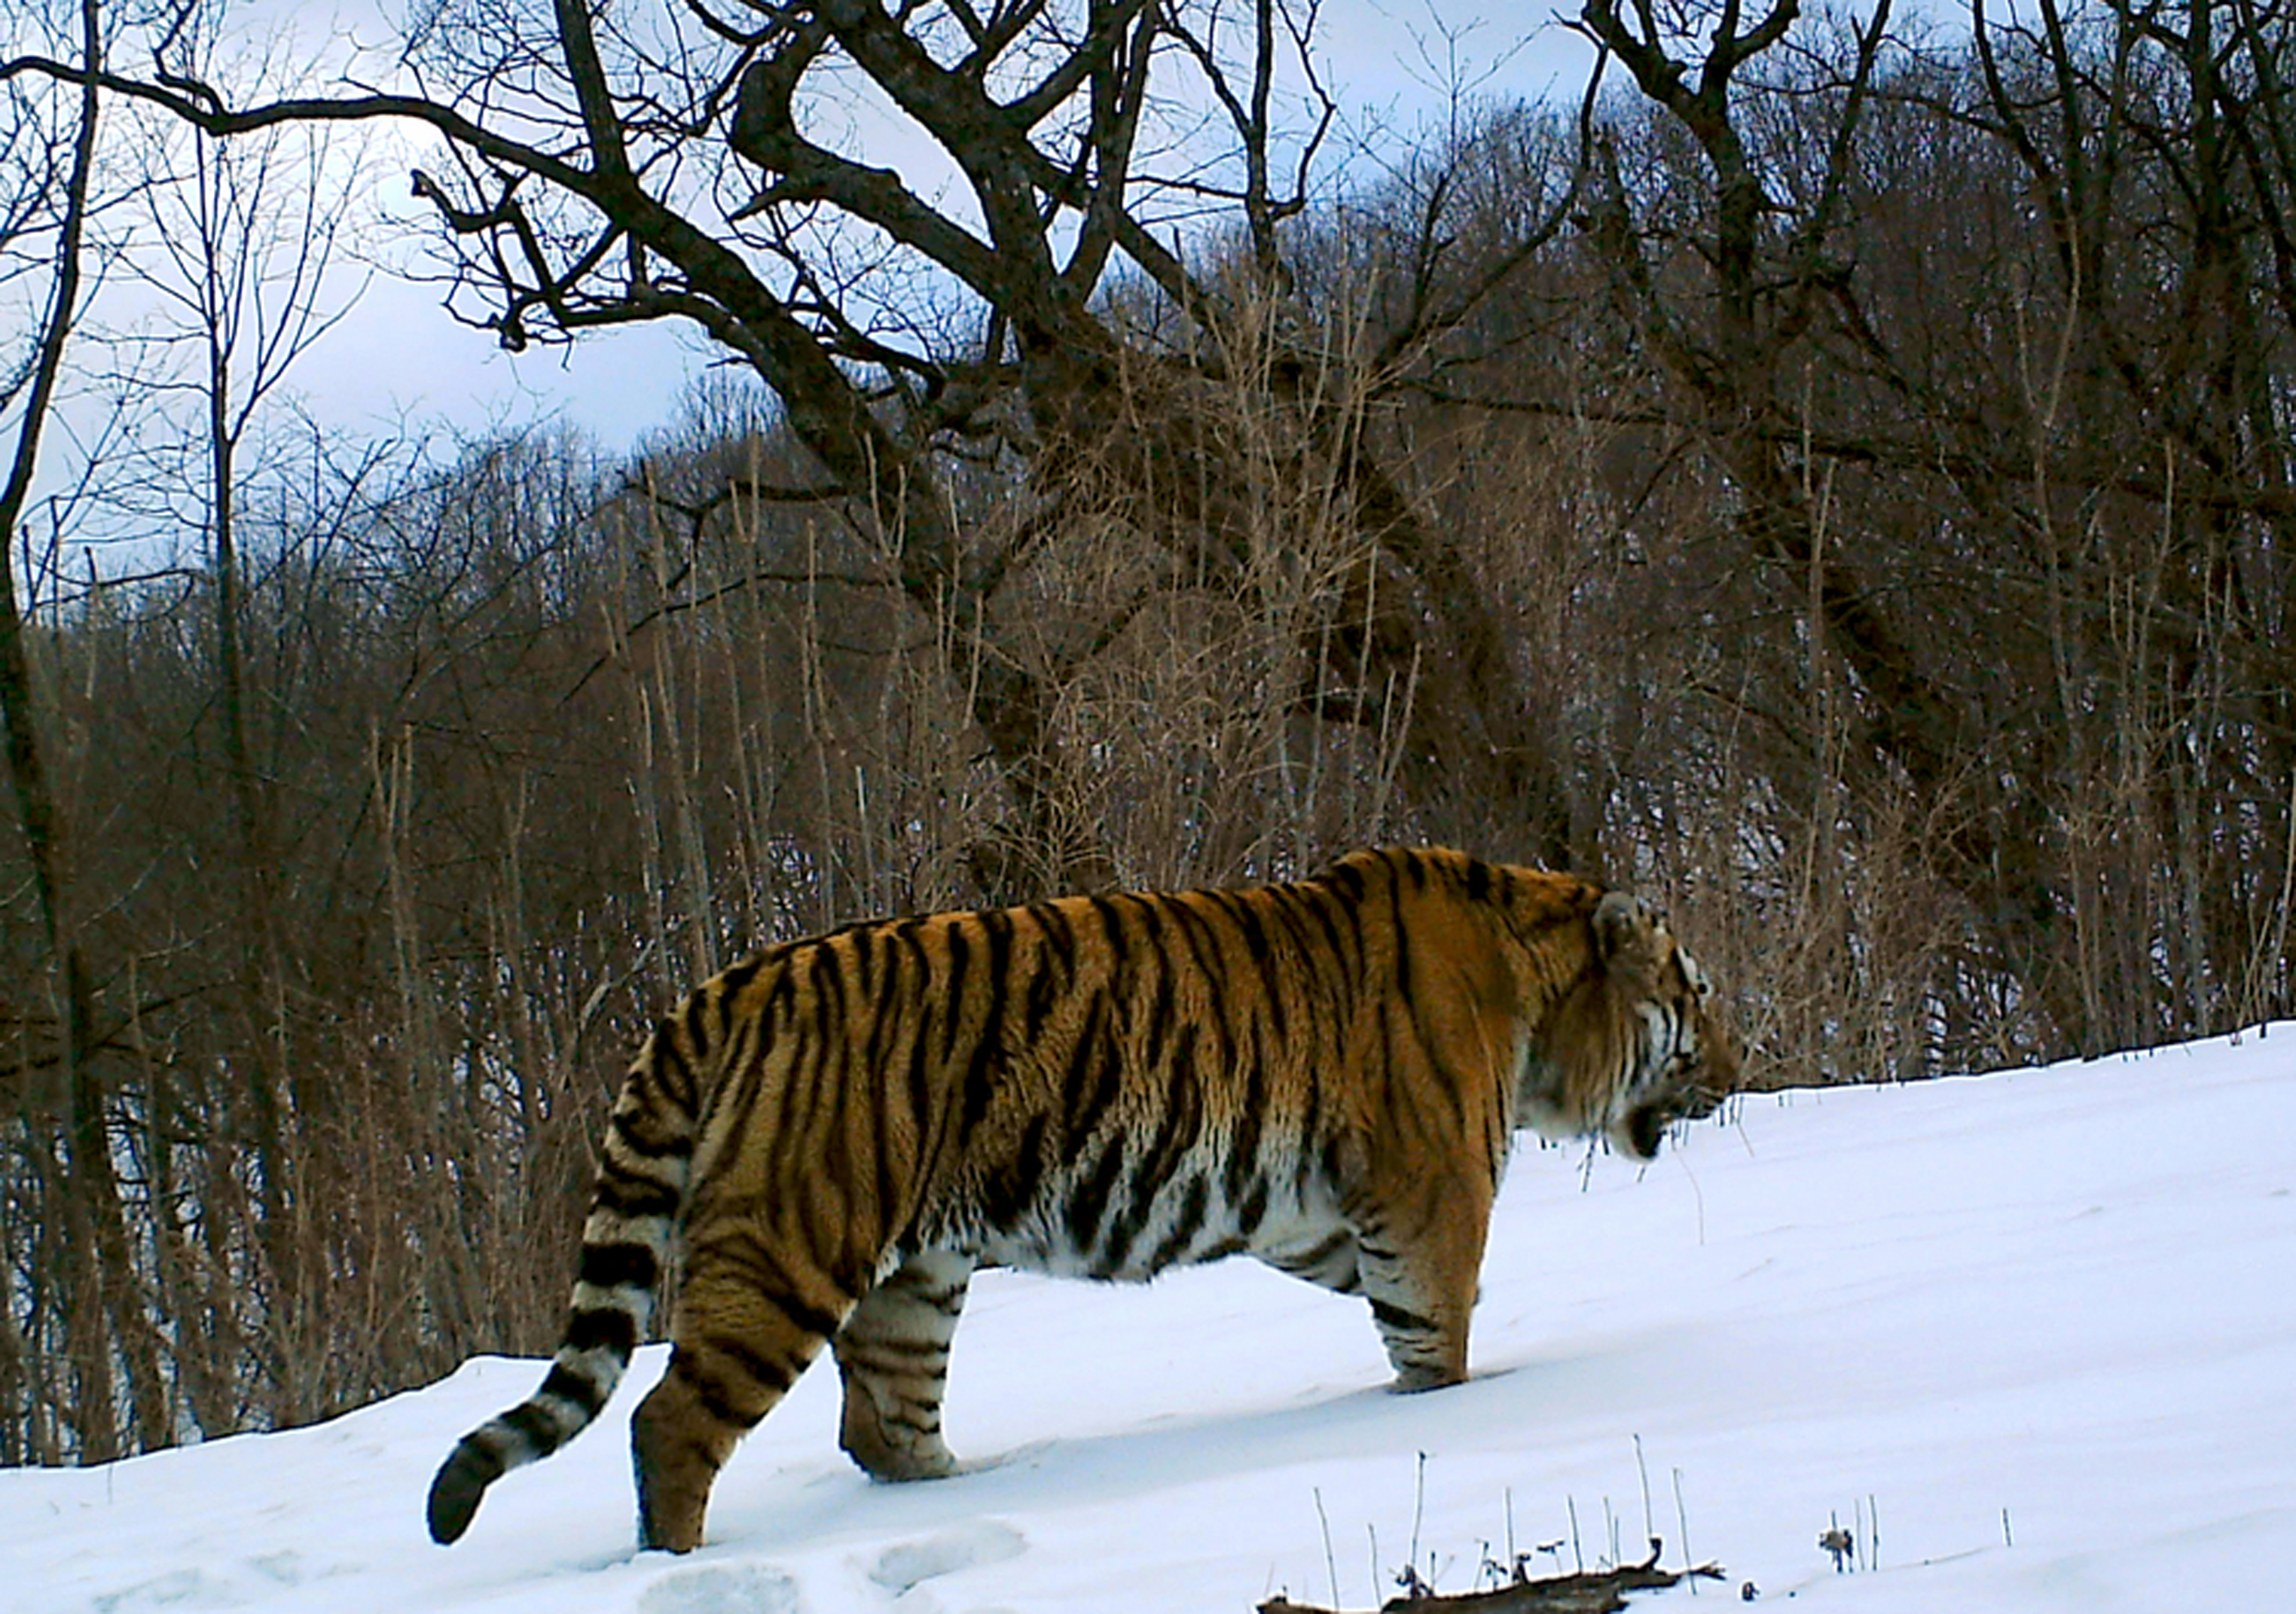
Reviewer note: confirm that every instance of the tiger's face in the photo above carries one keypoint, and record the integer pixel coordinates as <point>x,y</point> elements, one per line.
<point>1686,1063</point>
<point>1636,1044</point>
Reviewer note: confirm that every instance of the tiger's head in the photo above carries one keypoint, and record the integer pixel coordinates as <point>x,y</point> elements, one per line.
<point>1635,1044</point>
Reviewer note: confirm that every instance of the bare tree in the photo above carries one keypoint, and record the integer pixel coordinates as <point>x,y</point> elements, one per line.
<point>99,1305</point>
<point>2018,482</point>
<point>237,243</point>
<point>669,163</point>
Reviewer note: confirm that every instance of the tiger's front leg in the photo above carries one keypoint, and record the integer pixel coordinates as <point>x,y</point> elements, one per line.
<point>893,1352</point>
<point>1421,1255</point>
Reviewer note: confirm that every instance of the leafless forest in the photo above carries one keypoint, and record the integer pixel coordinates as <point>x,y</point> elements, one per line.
<point>1835,477</point>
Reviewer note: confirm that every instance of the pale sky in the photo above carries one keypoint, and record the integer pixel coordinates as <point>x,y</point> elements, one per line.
<point>399,352</point>
<point>396,361</point>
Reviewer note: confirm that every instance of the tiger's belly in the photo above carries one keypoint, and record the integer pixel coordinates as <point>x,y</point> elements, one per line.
<point>1204,1212</point>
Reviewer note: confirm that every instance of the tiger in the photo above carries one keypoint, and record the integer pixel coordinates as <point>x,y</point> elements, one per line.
<point>1325,1074</point>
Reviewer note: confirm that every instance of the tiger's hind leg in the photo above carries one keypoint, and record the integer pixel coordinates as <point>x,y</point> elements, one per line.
<point>893,1353</point>
<point>738,1346</point>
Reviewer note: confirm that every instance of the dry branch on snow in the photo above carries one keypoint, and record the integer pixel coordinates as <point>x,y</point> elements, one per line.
<point>1598,1592</point>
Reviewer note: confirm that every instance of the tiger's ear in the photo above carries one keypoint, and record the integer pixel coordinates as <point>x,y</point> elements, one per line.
<point>1627,937</point>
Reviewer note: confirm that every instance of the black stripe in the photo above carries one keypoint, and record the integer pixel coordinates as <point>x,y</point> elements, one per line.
<point>480,1455</point>
<point>996,927</point>
<point>1243,1142</point>
<point>947,1299</point>
<point>874,1075</point>
<point>1311,1116</point>
<point>1194,929</point>
<point>668,1145</point>
<point>1089,1202</point>
<point>1440,1069</point>
<point>742,1066</point>
<point>1253,1210</point>
<point>1045,967</point>
<point>712,1395</point>
<point>628,1194</point>
<point>1246,910</point>
<point>1159,1006</point>
<point>1478,881</point>
<point>1182,1121</point>
<point>1402,935</point>
<point>1348,969</point>
<point>1112,929</point>
<point>740,1063</point>
<point>1124,1229</point>
<point>616,1266</point>
<point>912,983</point>
<point>804,1075</point>
<point>1058,932</point>
<point>579,1388</point>
<point>886,1177</point>
<point>829,1006</point>
<point>951,992</point>
<point>535,1426</point>
<point>679,1080</point>
<point>983,1066</point>
<point>1399,1319</point>
<point>1087,1058</point>
<point>690,1022</point>
<point>808,1317</point>
<point>1355,948</point>
<point>607,1327</point>
<point>926,1358</point>
<point>1008,1192</point>
<point>739,1353</point>
<point>666,1069</point>
<point>1185,1228</point>
<point>1399,1106</point>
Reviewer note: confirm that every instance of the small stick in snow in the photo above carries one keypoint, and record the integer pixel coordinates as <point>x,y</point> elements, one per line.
<point>1600,1593</point>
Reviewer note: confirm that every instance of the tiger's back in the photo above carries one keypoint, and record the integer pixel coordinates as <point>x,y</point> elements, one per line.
<point>1324,1075</point>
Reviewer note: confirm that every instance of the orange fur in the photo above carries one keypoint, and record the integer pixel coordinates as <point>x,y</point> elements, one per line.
<point>1325,1075</point>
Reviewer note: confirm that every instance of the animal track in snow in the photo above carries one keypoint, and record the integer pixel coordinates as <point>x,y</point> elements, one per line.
<point>728,1588</point>
<point>900,1568</point>
<point>221,1586</point>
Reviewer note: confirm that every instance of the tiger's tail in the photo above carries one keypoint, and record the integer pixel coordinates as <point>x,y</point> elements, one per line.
<point>634,1209</point>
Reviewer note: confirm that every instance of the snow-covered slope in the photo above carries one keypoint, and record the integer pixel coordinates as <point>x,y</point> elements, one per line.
<point>2035,1331</point>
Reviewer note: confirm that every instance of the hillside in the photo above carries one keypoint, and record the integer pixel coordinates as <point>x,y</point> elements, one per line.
<point>2057,1301</point>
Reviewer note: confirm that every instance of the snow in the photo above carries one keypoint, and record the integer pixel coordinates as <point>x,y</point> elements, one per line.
<point>2030,1337</point>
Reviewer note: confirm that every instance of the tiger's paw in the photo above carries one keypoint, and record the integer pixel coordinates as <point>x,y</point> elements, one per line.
<point>1411,1380</point>
<point>892,1467</point>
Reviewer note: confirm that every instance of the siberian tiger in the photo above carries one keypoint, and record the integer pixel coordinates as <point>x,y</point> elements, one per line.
<point>1324,1075</point>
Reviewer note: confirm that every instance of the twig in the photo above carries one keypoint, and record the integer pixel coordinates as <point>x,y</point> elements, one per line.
<point>1682,1516</point>
<point>1601,1593</point>
<point>1331,1564</point>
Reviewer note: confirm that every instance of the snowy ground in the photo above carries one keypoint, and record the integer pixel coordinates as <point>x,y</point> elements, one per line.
<point>2040,1327</point>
